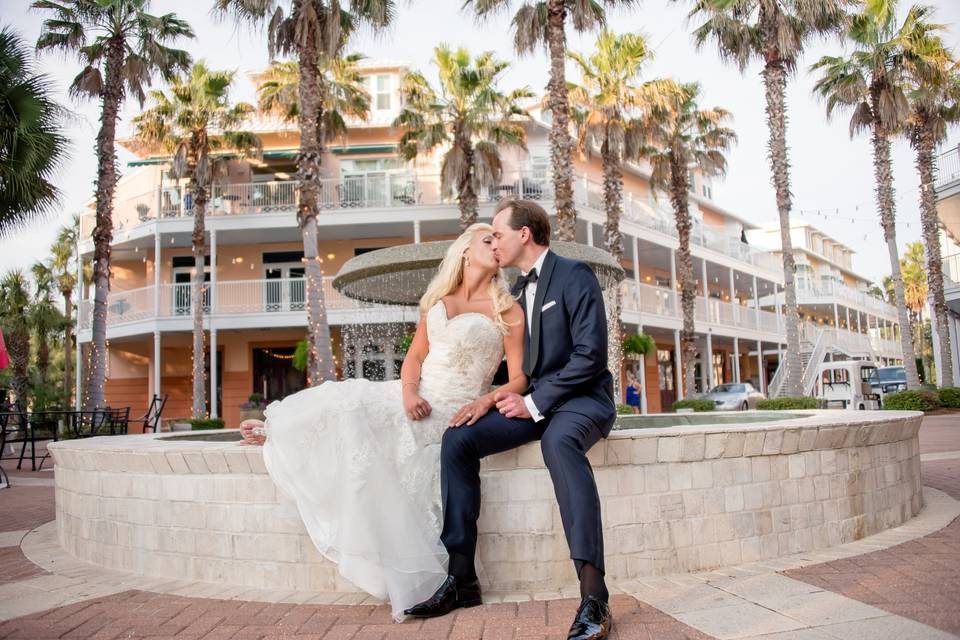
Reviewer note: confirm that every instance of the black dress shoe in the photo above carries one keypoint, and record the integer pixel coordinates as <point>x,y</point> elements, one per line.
<point>592,621</point>
<point>452,594</point>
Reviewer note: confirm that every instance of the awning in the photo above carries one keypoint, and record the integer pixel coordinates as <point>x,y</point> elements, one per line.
<point>286,153</point>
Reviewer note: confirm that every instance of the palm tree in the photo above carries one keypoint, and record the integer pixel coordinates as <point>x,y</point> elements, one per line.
<point>606,107</point>
<point>191,120</point>
<point>676,140</point>
<point>775,33</point>
<point>344,94</point>
<point>542,23</point>
<point>309,29</point>
<point>871,82</point>
<point>469,113</point>
<point>63,269</point>
<point>934,104</point>
<point>47,324</point>
<point>121,47</point>
<point>32,146</point>
<point>915,289</point>
<point>14,302</point>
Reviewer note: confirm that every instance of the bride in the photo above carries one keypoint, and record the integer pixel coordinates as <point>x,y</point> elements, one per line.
<point>361,459</point>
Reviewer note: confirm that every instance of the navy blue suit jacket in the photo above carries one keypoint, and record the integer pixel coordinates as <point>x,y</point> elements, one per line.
<point>565,354</point>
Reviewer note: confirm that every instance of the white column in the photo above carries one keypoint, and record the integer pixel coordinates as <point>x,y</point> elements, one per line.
<point>673,271</point>
<point>156,363</point>
<point>416,232</point>
<point>955,353</point>
<point>733,291</point>
<point>678,364</point>
<point>761,376</point>
<point>756,302</point>
<point>847,311</point>
<point>776,303</point>
<point>859,326</point>
<point>736,359</point>
<point>836,317</point>
<point>589,233</point>
<point>636,266</point>
<point>78,369</point>
<point>213,278</point>
<point>213,372</point>
<point>157,253</point>
<point>642,377</point>
<point>935,341</point>
<point>709,364</point>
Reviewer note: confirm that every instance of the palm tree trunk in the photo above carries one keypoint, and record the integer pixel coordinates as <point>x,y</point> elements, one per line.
<point>200,195</point>
<point>68,346</point>
<point>688,291</point>
<point>561,144</point>
<point>18,346</point>
<point>931,242</point>
<point>613,199</point>
<point>320,367</point>
<point>884,178</point>
<point>103,231</point>
<point>466,197</point>
<point>775,86</point>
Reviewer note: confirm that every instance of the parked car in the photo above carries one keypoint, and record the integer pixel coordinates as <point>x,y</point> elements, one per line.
<point>849,384</point>
<point>891,380</point>
<point>734,396</point>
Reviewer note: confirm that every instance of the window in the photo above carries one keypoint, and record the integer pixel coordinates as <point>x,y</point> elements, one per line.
<point>665,369</point>
<point>380,87</point>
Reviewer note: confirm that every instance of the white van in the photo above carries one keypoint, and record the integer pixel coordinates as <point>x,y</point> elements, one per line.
<point>848,384</point>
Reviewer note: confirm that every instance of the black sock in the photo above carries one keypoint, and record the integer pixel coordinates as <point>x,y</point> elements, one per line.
<point>461,567</point>
<point>592,583</point>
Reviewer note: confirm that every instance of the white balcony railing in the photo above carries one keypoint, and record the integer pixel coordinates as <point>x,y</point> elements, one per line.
<point>267,296</point>
<point>659,301</point>
<point>402,190</point>
<point>232,297</point>
<point>855,299</point>
<point>947,168</point>
<point>951,269</point>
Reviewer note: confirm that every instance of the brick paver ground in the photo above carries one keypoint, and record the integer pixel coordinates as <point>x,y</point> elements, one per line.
<point>919,579</point>
<point>139,614</point>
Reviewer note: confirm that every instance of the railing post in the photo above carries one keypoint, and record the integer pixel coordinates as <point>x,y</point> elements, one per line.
<point>157,252</point>
<point>678,364</point>
<point>213,274</point>
<point>160,199</point>
<point>389,192</point>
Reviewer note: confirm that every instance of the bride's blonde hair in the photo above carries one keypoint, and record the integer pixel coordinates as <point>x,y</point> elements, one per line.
<point>450,275</point>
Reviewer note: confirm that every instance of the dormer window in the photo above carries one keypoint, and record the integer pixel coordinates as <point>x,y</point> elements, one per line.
<point>380,87</point>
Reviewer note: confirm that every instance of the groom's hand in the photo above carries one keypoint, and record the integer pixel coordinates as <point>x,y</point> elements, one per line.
<point>511,405</point>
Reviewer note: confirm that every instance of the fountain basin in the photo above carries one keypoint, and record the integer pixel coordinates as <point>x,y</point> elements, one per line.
<point>680,498</point>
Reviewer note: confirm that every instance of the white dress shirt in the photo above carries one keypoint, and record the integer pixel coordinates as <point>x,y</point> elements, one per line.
<point>530,293</point>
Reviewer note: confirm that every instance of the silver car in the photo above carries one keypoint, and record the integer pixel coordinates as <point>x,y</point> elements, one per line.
<point>734,396</point>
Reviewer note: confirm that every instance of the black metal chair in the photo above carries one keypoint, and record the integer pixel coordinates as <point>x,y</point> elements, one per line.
<point>90,423</point>
<point>14,429</point>
<point>151,419</point>
<point>42,425</point>
<point>119,421</point>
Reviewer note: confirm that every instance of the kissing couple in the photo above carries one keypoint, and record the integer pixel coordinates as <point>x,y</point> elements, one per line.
<point>386,475</point>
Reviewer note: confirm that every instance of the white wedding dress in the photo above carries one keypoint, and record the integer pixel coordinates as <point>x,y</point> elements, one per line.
<point>365,477</point>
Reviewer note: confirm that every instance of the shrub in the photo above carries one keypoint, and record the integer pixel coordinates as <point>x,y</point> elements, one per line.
<point>254,401</point>
<point>623,409</point>
<point>640,344</point>
<point>694,403</point>
<point>787,402</point>
<point>912,401</point>
<point>949,397</point>
<point>201,424</point>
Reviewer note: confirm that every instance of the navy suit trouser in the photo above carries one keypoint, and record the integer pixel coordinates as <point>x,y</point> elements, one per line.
<point>565,437</point>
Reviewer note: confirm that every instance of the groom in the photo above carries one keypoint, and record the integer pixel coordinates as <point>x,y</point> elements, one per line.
<point>568,407</point>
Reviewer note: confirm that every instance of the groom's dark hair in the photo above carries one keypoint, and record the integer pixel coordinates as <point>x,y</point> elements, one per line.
<point>527,213</point>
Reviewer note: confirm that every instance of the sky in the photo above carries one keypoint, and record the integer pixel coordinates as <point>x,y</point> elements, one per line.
<point>831,176</point>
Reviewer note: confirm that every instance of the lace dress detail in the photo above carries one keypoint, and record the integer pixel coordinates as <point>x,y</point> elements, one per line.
<point>365,478</point>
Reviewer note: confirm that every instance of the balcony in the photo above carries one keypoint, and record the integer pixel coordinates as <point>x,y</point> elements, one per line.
<point>947,168</point>
<point>405,191</point>
<point>660,302</point>
<point>809,289</point>
<point>260,297</point>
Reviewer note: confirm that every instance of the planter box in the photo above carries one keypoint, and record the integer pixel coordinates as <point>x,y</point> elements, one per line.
<point>251,414</point>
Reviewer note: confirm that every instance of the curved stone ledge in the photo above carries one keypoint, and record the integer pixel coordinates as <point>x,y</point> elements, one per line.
<point>674,499</point>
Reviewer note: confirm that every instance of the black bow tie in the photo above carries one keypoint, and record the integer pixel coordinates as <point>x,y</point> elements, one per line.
<point>524,280</point>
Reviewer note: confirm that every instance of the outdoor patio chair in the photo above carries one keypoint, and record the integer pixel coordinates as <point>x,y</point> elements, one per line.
<point>119,421</point>
<point>151,419</point>
<point>14,429</point>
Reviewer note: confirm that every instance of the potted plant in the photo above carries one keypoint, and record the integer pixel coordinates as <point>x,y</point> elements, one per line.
<point>253,408</point>
<point>639,344</point>
<point>143,212</point>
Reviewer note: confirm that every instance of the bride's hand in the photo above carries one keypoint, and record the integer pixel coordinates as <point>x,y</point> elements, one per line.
<point>414,406</point>
<point>468,414</point>
<point>246,430</point>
